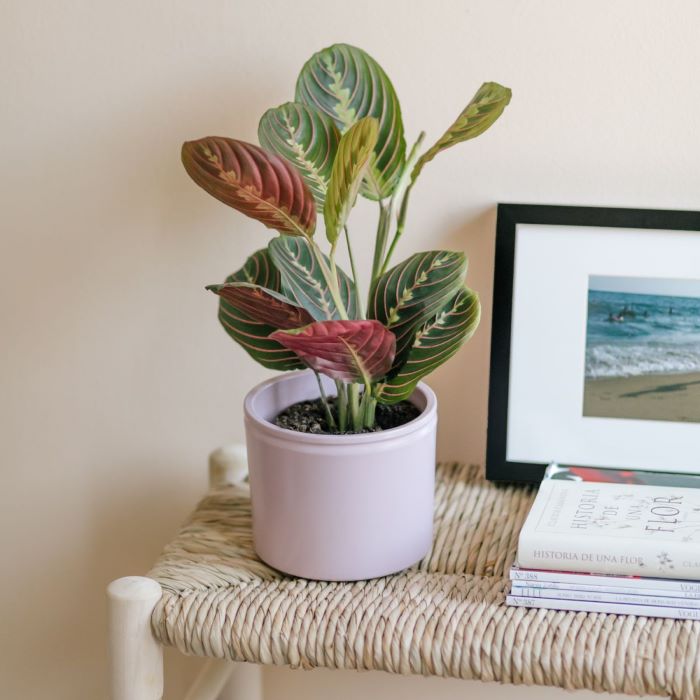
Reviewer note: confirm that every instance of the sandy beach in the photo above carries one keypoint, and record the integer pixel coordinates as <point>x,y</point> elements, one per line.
<point>674,397</point>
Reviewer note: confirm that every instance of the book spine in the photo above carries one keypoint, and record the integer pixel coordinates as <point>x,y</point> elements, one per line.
<point>633,599</point>
<point>615,608</point>
<point>569,578</point>
<point>594,588</point>
<point>607,555</point>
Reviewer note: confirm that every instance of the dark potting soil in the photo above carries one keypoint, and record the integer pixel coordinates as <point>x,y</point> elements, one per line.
<point>310,417</point>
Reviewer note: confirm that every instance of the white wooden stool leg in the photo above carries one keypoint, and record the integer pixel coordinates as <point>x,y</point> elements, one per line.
<point>136,658</point>
<point>228,466</point>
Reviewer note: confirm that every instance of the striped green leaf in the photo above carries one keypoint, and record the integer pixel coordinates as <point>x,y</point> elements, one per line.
<point>485,107</point>
<point>347,84</point>
<point>434,343</point>
<point>259,269</point>
<point>253,335</point>
<point>303,281</point>
<point>349,169</point>
<point>414,291</point>
<point>307,138</point>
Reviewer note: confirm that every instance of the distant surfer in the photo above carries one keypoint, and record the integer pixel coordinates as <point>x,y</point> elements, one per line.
<point>615,318</point>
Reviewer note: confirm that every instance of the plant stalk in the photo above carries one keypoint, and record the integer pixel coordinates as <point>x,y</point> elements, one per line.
<point>355,279</point>
<point>399,229</point>
<point>403,189</point>
<point>371,412</point>
<point>354,406</point>
<point>342,404</point>
<point>368,407</point>
<point>326,405</point>
<point>381,240</point>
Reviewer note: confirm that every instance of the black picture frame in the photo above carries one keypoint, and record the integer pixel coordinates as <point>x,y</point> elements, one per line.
<point>498,468</point>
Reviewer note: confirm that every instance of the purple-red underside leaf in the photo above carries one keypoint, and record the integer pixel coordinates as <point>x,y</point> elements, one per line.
<point>263,305</point>
<point>350,351</point>
<point>257,183</point>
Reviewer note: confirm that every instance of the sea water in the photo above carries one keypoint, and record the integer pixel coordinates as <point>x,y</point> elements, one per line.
<point>632,334</point>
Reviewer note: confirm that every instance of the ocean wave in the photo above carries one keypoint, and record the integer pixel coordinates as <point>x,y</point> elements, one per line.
<point>634,360</point>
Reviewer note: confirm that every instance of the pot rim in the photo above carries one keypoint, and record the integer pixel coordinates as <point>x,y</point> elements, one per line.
<point>427,415</point>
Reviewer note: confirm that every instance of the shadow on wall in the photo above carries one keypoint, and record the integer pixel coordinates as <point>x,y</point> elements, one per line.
<point>462,382</point>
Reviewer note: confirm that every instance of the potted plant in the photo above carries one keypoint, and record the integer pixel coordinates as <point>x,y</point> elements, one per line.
<point>342,453</point>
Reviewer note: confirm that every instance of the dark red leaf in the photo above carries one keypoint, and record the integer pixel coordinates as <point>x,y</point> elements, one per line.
<point>253,181</point>
<point>263,305</point>
<point>351,351</point>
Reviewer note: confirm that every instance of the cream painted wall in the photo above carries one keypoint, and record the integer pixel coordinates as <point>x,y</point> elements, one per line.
<point>116,379</point>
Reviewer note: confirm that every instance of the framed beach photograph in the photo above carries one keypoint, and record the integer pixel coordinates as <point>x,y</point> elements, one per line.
<point>643,349</point>
<point>595,348</point>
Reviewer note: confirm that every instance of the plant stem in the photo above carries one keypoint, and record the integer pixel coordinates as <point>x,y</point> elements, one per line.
<point>358,299</point>
<point>399,229</point>
<point>326,405</point>
<point>380,241</point>
<point>403,190</point>
<point>363,404</point>
<point>370,412</point>
<point>368,406</point>
<point>335,291</point>
<point>354,401</point>
<point>342,404</point>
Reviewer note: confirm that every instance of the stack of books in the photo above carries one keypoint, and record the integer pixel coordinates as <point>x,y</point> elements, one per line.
<point>612,541</point>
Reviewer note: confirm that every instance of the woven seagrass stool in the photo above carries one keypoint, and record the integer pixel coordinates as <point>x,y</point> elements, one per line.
<point>209,595</point>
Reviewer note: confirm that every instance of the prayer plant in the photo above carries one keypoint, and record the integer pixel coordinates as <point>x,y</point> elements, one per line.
<point>291,306</point>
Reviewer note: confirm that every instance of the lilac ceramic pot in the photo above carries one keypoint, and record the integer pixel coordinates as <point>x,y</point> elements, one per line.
<point>339,507</point>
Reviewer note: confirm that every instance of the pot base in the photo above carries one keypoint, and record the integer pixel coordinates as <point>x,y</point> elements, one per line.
<point>357,576</point>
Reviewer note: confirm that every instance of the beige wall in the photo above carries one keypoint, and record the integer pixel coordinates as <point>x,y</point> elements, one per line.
<point>117,381</point>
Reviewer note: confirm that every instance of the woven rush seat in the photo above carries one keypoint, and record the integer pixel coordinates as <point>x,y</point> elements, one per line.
<point>444,617</point>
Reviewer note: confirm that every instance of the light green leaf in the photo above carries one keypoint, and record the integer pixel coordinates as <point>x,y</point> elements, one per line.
<point>347,84</point>
<point>307,138</point>
<point>483,110</point>
<point>411,293</point>
<point>350,166</point>
<point>303,281</point>
<point>434,344</point>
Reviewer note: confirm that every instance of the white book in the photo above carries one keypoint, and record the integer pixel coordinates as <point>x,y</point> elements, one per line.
<point>615,608</point>
<point>593,588</point>
<point>603,597</point>
<point>568,578</point>
<point>613,528</point>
